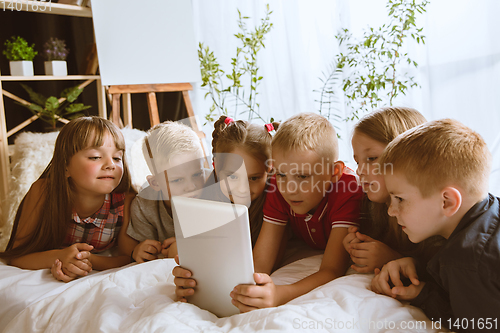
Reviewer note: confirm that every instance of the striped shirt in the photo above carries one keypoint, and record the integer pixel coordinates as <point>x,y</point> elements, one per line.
<point>101,229</point>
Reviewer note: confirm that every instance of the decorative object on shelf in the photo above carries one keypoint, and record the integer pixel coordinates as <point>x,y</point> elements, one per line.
<point>20,56</point>
<point>244,66</point>
<point>55,53</point>
<point>52,109</point>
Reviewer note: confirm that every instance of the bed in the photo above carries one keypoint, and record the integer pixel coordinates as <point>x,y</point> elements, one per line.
<point>140,298</point>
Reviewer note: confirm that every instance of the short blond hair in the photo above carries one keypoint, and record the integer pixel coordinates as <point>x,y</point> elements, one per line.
<point>167,140</point>
<point>307,131</point>
<point>441,153</point>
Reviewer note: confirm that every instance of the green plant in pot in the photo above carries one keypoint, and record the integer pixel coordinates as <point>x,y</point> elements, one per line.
<point>52,109</point>
<point>20,55</point>
<point>55,53</point>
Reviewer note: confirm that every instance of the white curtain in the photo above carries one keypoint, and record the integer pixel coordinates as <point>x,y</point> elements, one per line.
<point>459,67</point>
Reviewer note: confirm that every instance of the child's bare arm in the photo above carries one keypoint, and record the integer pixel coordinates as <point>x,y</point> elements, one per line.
<point>126,244</point>
<point>102,263</point>
<point>29,216</point>
<point>71,258</point>
<point>267,247</point>
<point>266,294</point>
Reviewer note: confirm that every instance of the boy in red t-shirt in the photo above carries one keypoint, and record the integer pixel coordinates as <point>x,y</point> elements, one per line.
<point>311,191</point>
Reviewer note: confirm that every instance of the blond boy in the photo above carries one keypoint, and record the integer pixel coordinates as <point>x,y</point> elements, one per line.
<point>175,158</point>
<point>439,186</point>
<point>313,194</point>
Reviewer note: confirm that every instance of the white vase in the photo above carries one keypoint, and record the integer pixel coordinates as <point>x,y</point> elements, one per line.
<point>56,68</point>
<point>21,68</point>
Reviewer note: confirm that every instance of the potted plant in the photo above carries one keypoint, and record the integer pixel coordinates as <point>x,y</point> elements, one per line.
<point>55,53</point>
<point>20,55</point>
<point>52,109</point>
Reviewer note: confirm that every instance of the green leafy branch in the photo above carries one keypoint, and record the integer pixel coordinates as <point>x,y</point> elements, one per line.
<point>376,60</point>
<point>372,68</point>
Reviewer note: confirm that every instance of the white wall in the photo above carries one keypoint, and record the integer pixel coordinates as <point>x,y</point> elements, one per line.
<point>459,70</point>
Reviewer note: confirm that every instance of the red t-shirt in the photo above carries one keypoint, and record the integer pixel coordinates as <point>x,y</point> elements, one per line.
<point>339,208</point>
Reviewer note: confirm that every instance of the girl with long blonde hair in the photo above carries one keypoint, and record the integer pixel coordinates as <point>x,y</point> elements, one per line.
<point>236,142</point>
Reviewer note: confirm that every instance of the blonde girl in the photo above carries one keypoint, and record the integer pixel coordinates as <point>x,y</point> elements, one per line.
<point>239,141</point>
<point>234,142</point>
<point>77,206</point>
<point>381,239</point>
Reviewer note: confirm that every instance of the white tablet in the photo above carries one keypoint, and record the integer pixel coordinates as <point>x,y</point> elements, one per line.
<point>213,241</point>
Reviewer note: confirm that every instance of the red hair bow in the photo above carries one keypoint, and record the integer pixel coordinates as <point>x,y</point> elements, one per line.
<point>269,127</point>
<point>228,120</point>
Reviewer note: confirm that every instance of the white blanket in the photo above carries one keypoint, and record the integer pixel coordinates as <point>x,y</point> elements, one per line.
<point>139,298</point>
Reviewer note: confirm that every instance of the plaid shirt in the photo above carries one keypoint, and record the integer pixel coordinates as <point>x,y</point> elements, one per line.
<point>100,229</point>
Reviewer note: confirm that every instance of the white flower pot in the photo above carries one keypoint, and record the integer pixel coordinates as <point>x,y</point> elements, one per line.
<point>21,68</point>
<point>56,68</point>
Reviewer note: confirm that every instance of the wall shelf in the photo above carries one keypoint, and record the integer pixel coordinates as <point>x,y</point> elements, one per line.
<point>48,78</point>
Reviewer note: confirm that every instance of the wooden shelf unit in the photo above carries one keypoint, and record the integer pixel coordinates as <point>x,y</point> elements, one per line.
<point>48,78</point>
<point>43,7</point>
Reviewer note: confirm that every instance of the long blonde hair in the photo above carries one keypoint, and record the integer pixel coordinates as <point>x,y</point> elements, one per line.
<point>51,228</point>
<point>384,125</point>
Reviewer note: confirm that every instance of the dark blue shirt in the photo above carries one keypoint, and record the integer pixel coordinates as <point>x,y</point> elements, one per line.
<point>466,273</point>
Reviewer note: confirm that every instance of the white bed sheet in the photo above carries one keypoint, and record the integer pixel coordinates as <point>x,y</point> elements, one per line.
<point>139,298</point>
